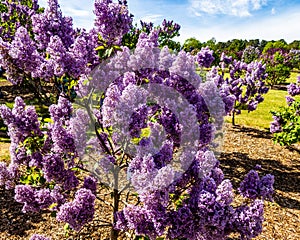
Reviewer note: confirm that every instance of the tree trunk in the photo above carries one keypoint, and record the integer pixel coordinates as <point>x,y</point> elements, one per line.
<point>116,198</point>
<point>233,119</point>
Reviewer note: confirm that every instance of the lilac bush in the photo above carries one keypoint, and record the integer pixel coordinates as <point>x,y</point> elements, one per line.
<point>173,200</point>
<point>279,63</point>
<point>285,126</point>
<point>205,57</point>
<point>245,85</point>
<point>53,53</point>
<point>294,58</point>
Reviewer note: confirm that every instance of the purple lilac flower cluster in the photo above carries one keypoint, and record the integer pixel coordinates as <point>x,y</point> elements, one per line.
<point>52,153</point>
<point>205,213</point>
<point>113,20</point>
<point>35,200</point>
<point>80,211</point>
<point>16,14</point>
<point>275,125</point>
<point>294,89</point>
<point>52,23</point>
<point>8,175</point>
<point>54,49</point>
<point>254,187</point>
<point>22,123</point>
<point>170,28</point>
<point>205,57</point>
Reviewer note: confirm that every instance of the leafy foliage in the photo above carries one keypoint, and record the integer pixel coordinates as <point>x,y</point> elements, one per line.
<point>278,66</point>
<point>16,13</point>
<point>286,124</point>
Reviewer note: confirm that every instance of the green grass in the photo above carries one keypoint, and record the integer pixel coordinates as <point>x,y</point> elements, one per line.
<point>261,117</point>
<point>293,77</point>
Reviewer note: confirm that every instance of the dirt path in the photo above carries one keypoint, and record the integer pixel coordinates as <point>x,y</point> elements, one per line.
<point>243,149</point>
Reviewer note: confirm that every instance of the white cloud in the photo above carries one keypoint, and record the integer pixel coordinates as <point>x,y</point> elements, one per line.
<point>76,12</point>
<point>82,14</point>
<point>271,27</point>
<point>42,3</point>
<point>241,8</point>
<point>257,4</point>
<point>273,11</point>
<point>154,18</point>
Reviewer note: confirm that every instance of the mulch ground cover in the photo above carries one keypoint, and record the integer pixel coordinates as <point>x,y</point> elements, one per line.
<point>242,150</point>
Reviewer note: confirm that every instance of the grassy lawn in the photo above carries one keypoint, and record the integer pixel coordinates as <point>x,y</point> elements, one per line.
<point>293,77</point>
<point>262,117</point>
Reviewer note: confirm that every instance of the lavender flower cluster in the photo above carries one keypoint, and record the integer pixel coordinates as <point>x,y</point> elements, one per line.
<point>294,89</point>
<point>113,20</point>
<point>52,49</point>
<point>253,186</point>
<point>205,57</point>
<point>169,28</point>
<point>80,211</point>
<point>52,152</point>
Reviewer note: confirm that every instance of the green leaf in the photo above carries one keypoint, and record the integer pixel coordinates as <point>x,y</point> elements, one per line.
<point>99,48</point>
<point>67,227</point>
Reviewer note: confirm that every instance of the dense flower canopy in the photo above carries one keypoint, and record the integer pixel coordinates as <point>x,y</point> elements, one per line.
<point>144,126</point>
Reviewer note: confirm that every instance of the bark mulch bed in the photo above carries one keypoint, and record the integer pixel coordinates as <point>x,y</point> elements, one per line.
<point>243,149</point>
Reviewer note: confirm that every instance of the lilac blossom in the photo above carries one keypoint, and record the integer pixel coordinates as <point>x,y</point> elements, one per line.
<point>79,211</point>
<point>113,20</point>
<point>254,187</point>
<point>205,57</point>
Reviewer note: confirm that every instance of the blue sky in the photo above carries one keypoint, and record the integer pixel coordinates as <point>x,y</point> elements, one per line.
<point>204,19</point>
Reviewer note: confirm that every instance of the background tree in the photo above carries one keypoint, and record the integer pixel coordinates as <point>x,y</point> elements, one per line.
<point>245,85</point>
<point>280,44</point>
<point>250,54</point>
<point>278,65</point>
<point>294,45</point>
<point>192,45</point>
<point>166,32</point>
